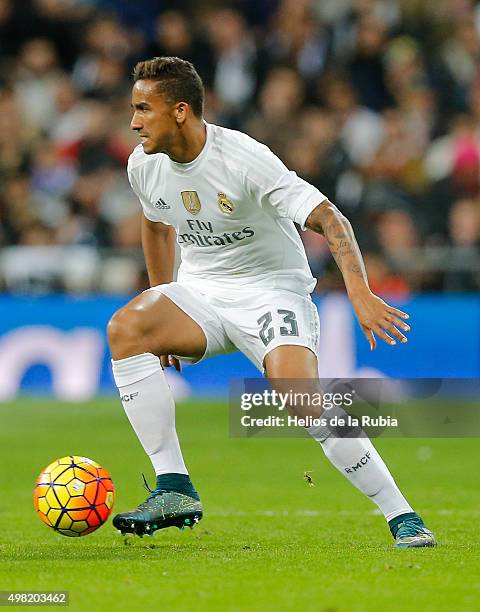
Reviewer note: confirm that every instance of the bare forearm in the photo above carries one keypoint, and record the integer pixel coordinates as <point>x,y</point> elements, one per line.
<point>158,242</point>
<point>374,315</point>
<point>326,219</point>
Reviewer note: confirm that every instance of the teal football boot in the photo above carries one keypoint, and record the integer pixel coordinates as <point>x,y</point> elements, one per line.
<point>409,531</point>
<point>161,509</point>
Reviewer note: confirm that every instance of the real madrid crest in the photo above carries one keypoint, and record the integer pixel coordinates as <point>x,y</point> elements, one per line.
<point>225,205</point>
<point>191,201</point>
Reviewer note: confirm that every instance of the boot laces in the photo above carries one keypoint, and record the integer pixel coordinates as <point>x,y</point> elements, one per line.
<point>153,492</point>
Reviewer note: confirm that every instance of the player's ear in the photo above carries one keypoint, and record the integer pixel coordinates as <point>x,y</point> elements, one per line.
<point>180,112</point>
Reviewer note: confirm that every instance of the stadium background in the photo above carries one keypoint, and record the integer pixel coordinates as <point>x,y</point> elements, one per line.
<point>377,103</point>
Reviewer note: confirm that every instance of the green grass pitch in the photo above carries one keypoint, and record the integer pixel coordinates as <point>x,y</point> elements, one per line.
<point>268,540</point>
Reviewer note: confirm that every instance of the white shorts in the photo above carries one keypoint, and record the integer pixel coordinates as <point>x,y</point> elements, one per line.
<point>254,322</point>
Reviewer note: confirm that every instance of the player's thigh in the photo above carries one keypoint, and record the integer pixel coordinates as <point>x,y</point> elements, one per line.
<point>293,371</point>
<point>153,323</point>
<point>292,362</point>
<point>279,331</point>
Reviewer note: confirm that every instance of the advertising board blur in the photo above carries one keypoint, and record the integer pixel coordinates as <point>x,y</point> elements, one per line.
<point>57,346</point>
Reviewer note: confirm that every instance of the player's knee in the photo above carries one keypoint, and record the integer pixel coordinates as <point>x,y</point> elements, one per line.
<point>127,332</point>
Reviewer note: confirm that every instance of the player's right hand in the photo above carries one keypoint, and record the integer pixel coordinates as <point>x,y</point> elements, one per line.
<point>170,361</point>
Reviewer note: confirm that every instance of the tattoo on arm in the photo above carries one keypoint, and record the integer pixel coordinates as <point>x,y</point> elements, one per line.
<point>326,219</point>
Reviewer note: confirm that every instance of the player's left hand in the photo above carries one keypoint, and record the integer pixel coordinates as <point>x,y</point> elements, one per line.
<point>376,317</point>
<point>170,360</point>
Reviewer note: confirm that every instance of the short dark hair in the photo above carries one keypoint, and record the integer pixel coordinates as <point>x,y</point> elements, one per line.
<point>177,80</point>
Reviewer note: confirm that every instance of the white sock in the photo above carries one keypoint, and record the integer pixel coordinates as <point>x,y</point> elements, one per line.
<point>360,462</point>
<point>148,402</point>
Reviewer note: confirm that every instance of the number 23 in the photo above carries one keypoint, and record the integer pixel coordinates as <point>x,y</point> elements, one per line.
<point>267,333</point>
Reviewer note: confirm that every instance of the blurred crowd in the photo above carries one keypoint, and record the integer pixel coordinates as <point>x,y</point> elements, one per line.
<point>376,102</point>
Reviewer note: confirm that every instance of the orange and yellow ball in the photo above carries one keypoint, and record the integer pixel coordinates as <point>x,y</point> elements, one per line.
<point>74,495</point>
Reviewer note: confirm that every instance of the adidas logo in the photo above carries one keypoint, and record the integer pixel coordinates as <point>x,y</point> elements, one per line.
<point>161,204</point>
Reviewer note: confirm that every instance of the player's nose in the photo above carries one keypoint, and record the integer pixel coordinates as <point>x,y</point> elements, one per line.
<point>135,123</point>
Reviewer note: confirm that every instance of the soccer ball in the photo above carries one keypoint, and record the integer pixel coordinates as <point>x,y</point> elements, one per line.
<point>74,495</point>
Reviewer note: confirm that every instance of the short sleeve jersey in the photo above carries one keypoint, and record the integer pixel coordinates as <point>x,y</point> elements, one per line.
<point>233,209</point>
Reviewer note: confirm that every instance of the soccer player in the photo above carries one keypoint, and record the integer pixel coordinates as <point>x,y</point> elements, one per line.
<point>244,283</point>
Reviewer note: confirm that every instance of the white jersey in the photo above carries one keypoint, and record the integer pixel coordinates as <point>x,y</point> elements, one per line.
<point>233,209</point>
